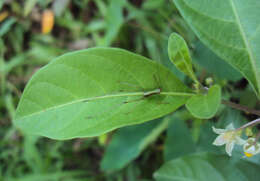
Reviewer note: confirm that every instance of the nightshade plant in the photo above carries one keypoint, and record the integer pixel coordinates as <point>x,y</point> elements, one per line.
<point>91,92</point>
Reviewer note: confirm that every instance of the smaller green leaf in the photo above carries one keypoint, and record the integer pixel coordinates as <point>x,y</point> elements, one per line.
<point>205,106</point>
<point>179,55</point>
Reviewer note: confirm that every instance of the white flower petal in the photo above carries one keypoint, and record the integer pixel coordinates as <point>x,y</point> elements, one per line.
<point>218,131</point>
<point>257,151</point>
<point>240,141</point>
<point>220,140</point>
<point>251,148</point>
<point>230,137</point>
<point>229,147</point>
<point>230,127</point>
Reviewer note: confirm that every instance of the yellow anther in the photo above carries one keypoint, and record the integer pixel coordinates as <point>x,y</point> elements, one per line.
<point>248,154</point>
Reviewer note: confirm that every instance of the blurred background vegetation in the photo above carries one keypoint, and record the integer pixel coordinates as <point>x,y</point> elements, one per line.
<point>33,32</point>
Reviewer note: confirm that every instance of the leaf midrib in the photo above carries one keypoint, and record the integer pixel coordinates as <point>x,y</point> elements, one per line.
<point>186,64</point>
<point>248,47</point>
<point>105,97</point>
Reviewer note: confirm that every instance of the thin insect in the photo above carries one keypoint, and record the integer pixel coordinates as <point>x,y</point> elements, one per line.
<point>156,91</point>
<point>153,92</point>
<point>147,94</point>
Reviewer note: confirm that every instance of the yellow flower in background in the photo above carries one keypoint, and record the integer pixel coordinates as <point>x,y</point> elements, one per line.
<point>251,147</point>
<point>3,15</point>
<point>229,137</point>
<point>47,21</point>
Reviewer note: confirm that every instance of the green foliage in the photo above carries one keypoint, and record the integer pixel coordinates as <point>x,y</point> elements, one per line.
<point>230,29</point>
<point>114,20</point>
<point>133,152</point>
<point>180,56</point>
<point>129,142</point>
<point>6,26</point>
<point>205,106</point>
<point>175,147</point>
<point>213,64</point>
<point>29,4</point>
<point>204,166</point>
<point>66,176</point>
<point>152,4</point>
<point>86,99</point>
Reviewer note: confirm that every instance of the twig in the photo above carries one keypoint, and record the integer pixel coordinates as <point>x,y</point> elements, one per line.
<point>240,107</point>
<point>251,123</point>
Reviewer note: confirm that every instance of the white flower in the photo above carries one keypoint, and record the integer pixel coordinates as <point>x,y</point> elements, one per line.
<point>251,147</point>
<point>228,136</point>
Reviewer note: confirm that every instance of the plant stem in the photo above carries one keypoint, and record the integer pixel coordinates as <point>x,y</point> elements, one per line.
<point>251,123</point>
<point>240,107</point>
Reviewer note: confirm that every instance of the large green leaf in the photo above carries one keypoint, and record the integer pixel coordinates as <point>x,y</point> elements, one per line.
<point>205,106</point>
<point>206,166</point>
<point>231,29</point>
<point>213,64</point>
<point>90,92</point>
<point>129,142</point>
